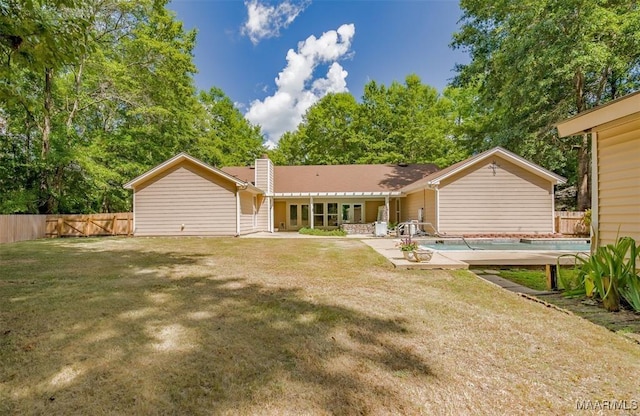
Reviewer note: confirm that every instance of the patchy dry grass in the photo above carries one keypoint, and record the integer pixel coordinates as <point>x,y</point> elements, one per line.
<point>283,326</point>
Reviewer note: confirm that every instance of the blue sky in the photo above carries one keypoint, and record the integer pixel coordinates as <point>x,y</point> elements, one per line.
<point>275,59</point>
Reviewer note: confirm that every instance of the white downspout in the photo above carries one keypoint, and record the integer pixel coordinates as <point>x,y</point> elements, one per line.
<point>553,210</point>
<point>237,212</point>
<point>437,210</point>
<point>133,208</point>
<point>595,225</point>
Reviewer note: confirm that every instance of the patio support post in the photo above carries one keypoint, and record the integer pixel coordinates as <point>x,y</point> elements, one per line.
<point>386,209</point>
<point>270,205</point>
<point>311,212</point>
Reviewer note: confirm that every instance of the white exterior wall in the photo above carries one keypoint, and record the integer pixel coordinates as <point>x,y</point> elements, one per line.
<point>185,200</point>
<point>513,200</point>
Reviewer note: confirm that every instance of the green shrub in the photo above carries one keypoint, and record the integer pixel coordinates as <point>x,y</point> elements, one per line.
<point>609,273</point>
<point>320,232</point>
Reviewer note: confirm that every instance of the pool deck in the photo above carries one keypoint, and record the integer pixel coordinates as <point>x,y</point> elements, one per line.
<point>445,259</point>
<point>463,259</point>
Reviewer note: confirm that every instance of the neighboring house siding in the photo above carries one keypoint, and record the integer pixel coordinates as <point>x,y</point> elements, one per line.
<point>619,181</point>
<point>513,200</point>
<point>187,196</point>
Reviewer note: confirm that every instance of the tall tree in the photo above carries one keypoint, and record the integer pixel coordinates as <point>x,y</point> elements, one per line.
<point>330,131</point>
<point>38,40</point>
<point>408,122</point>
<point>536,62</point>
<point>97,101</point>
<point>226,138</point>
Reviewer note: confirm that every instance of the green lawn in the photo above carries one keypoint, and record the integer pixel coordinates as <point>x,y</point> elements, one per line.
<point>283,326</point>
<point>533,278</point>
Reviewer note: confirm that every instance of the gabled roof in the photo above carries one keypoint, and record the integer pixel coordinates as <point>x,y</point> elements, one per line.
<point>182,157</point>
<point>340,180</point>
<point>437,177</point>
<point>597,116</point>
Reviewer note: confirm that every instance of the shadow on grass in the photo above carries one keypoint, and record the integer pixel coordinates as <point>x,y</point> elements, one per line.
<point>167,332</point>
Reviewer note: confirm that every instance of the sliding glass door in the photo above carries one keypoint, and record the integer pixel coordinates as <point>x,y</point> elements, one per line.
<point>298,216</point>
<point>352,213</point>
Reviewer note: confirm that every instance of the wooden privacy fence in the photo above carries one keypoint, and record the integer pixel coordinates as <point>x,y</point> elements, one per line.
<point>570,223</point>
<point>89,225</point>
<point>21,227</point>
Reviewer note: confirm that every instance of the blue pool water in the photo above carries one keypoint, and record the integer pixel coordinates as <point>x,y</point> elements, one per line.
<point>510,245</point>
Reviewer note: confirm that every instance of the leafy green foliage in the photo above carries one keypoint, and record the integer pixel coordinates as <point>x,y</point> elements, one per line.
<point>321,232</point>
<point>407,122</point>
<point>536,62</point>
<point>95,93</point>
<point>611,271</point>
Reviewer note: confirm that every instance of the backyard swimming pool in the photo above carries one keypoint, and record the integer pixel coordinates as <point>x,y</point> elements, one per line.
<point>509,244</point>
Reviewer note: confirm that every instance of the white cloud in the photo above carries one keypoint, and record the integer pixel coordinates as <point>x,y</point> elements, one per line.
<point>296,89</point>
<point>265,21</point>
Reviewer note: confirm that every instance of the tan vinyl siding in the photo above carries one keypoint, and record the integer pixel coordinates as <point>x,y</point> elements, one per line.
<point>371,209</point>
<point>188,195</point>
<point>263,213</point>
<point>280,215</point>
<point>264,175</point>
<point>430,207</point>
<point>246,213</point>
<point>619,181</point>
<point>412,203</point>
<point>513,200</point>
<point>262,218</point>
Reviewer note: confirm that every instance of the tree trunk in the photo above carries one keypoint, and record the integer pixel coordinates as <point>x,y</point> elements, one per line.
<point>46,129</point>
<point>76,99</point>
<point>583,194</point>
<point>46,203</point>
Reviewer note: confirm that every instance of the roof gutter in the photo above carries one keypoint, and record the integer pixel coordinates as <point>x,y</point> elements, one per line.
<point>335,194</point>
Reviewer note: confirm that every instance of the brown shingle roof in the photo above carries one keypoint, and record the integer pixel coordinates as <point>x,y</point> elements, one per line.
<point>340,178</point>
<point>532,167</point>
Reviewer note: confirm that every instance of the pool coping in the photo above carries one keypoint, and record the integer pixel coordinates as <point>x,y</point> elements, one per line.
<point>463,259</point>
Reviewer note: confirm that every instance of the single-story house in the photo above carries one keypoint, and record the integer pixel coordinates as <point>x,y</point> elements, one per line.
<point>615,150</point>
<point>493,192</point>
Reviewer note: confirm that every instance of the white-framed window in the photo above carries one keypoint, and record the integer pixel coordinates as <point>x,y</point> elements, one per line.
<point>318,214</point>
<point>332,214</point>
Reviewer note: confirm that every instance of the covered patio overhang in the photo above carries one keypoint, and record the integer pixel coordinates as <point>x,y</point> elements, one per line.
<point>338,197</point>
